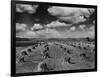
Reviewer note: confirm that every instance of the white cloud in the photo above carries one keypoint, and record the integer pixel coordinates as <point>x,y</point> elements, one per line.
<point>26,8</point>
<point>20,27</point>
<point>70,14</point>
<point>52,33</point>
<point>72,29</point>
<point>36,26</point>
<point>57,24</point>
<point>82,27</point>
<point>73,19</point>
<point>47,32</point>
<point>27,34</point>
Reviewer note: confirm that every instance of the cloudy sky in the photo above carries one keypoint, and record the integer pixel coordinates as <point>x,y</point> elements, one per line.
<point>45,21</point>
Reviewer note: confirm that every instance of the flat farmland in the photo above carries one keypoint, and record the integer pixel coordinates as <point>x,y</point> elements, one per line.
<point>54,55</point>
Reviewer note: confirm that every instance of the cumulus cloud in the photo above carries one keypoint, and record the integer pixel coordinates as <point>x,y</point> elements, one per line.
<point>21,27</point>
<point>82,27</point>
<point>73,28</point>
<point>26,8</point>
<point>49,33</point>
<point>57,24</point>
<point>70,14</point>
<point>73,20</point>
<point>45,33</point>
<point>36,26</point>
<point>52,33</point>
<point>26,32</point>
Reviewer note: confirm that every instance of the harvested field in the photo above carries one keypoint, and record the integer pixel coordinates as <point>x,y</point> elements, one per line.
<point>55,56</point>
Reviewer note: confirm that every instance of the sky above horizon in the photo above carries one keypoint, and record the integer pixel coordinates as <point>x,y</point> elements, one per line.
<point>45,21</point>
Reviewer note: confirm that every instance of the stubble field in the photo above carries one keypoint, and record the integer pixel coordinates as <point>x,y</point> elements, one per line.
<point>52,55</point>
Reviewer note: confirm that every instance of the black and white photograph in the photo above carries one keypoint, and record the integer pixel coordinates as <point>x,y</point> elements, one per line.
<point>53,38</point>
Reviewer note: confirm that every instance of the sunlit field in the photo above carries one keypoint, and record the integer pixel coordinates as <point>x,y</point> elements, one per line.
<point>54,55</point>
